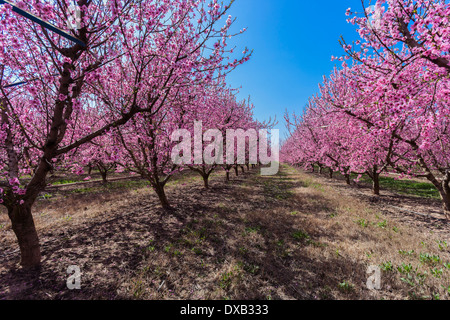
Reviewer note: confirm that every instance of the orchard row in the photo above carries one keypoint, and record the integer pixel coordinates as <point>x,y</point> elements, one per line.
<point>387,108</point>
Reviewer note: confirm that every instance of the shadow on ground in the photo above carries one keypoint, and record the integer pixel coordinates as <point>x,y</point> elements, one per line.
<point>248,239</point>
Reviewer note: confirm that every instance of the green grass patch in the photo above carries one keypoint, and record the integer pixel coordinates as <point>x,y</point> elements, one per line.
<point>406,187</point>
<point>63,181</point>
<point>421,189</point>
<point>346,286</point>
<point>300,235</point>
<point>82,190</point>
<point>128,184</point>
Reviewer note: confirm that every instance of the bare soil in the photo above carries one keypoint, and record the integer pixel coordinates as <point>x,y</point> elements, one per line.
<point>415,210</point>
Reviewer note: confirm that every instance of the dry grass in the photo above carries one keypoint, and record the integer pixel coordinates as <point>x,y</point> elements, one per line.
<point>285,237</point>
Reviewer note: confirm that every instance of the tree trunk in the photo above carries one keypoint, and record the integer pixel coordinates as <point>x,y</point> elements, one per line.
<point>206,180</point>
<point>320,169</point>
<point>347,179</point>
<point>162,196</point>
<point>243,169</point>
<point>103,172</point>
<point>331,173</point>
<point>446,200</point>
<point>375,176</point>
<point>445,194</point>
<point>104,177</point>
<point>227,178</point>
<point>236,170</point>
<point>248,167</point>
<point>25,231</point>
<point>376,183</point>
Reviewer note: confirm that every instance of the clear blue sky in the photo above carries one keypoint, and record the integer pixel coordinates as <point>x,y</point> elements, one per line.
<point>293,41</point>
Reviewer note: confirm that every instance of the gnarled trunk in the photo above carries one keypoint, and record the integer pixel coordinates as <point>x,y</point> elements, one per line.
<point>25,231</point>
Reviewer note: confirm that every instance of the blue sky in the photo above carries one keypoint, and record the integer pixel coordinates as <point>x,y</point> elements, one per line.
<point>293,41</point>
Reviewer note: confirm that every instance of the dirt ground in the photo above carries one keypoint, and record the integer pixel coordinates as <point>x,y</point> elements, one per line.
<point>418,211</point>
<point>292,236</point>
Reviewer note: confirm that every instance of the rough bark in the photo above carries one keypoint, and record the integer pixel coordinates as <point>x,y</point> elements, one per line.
<point>25,231</point>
